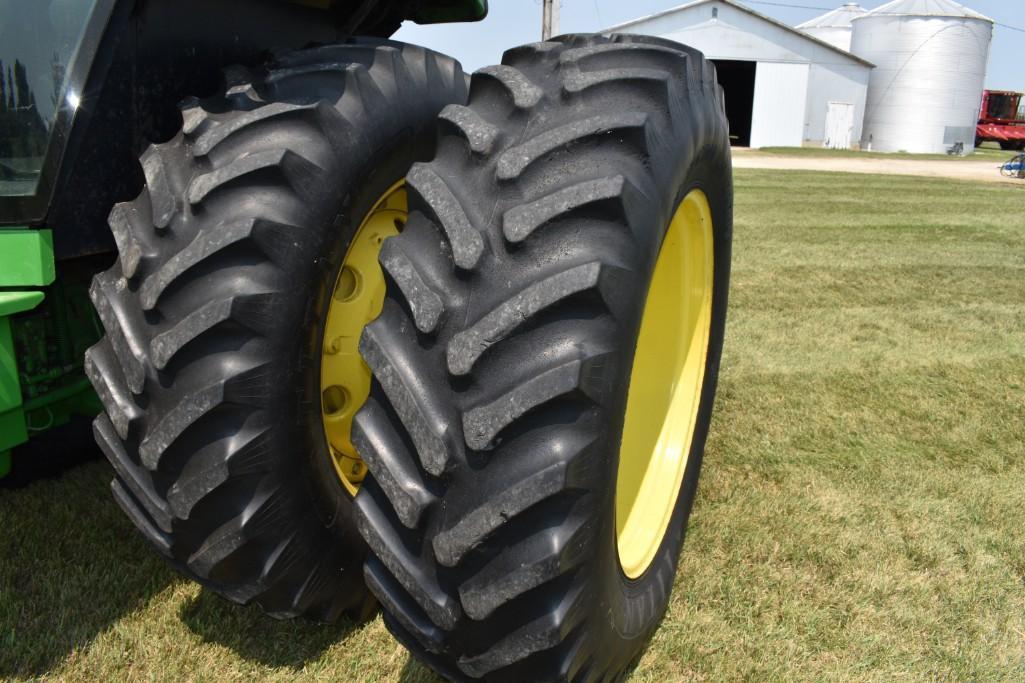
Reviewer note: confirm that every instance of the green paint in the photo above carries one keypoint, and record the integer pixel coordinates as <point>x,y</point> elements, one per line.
<point>60,405</point>
<point>43,336</point>
<point>73,390</point>
<point>26,258</point>
<point>16,302</point>
<point>12,417</point>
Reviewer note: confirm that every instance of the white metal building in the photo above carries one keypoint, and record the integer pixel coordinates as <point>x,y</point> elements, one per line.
<point>834,26</point>
<point>783,87</point>
<point>926,93</point>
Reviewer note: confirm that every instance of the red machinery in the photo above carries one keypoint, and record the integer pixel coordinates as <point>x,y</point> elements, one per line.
<point>1002,119</point>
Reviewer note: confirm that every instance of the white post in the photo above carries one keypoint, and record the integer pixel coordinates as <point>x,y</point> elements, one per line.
<point>550,19</point>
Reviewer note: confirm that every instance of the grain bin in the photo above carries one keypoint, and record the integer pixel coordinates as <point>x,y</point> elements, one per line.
<point>834,27</point>
<point>925,92</point>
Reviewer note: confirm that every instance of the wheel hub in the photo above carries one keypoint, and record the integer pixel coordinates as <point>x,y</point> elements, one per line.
<point>356,299</point>
<point>665,385</point>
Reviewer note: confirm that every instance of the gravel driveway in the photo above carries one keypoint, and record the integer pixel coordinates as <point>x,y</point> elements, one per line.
<point>961,169</point>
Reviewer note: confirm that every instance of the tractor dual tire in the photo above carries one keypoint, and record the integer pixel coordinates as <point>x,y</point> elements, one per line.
<point>213,312</point>
<point>504,352</point>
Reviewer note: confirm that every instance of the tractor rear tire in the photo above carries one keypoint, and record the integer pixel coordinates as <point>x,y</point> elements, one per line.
<point>495,423</point>
<point>213,312</point>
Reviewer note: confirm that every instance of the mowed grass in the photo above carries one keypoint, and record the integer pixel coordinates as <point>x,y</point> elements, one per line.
<point>861,514</point>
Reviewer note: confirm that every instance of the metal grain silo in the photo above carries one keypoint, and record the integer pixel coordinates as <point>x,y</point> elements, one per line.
<point>925,92</point>
<point>834,27</point>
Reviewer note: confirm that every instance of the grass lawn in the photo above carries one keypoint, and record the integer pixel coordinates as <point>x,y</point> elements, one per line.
<point>980,154</point>
<point>860,515</point>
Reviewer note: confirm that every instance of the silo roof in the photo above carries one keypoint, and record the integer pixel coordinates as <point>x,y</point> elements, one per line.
<point>839,18</point>
<point>927,8</point>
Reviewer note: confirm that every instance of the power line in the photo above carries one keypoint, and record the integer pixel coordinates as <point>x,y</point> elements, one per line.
<point>1013,28</point>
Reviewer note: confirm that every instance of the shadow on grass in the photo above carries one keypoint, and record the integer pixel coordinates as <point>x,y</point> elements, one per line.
<point>415,672</point>
<point>52,453</point>
<point>257,637</point>
<point>70,565</point>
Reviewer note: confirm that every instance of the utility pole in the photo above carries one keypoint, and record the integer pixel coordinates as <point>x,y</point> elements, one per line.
<point>550,19</point>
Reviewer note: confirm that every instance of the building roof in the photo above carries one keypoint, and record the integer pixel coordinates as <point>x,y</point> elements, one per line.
<point>742,8</point>
<point>927,8</point>
<point>839,18</point>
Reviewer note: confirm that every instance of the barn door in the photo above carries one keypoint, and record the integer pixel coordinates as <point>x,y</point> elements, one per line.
<point>839,125</point>
<point>781,90</point>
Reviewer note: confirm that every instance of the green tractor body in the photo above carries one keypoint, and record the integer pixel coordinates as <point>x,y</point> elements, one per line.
<point>84,86</point>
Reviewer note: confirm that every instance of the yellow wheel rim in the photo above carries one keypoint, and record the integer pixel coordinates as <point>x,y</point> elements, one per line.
<point>665,385</point>
<point>356,299</point>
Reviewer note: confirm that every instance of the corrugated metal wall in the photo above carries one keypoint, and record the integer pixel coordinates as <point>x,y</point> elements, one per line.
<point>925,93</point>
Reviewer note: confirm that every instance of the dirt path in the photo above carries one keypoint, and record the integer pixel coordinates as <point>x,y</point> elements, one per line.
<point>959,169</point>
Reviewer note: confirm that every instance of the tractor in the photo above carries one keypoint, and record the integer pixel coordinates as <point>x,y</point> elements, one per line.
<point>359,331</point>
<point>1002,119</point>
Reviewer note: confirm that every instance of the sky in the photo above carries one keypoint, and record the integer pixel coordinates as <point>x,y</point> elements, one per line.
<point>513,22</point>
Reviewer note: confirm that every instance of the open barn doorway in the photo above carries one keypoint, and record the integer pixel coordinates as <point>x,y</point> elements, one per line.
<point>737,79</point>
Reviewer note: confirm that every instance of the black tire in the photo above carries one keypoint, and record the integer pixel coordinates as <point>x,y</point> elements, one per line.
<point>493,429</point>
<point>209,370</point>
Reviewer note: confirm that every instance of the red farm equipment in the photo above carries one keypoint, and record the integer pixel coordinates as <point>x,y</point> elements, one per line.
<point>1002,119</point>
